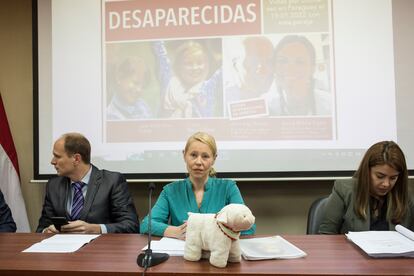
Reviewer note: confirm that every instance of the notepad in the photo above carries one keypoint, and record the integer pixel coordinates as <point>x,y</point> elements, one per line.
<point>274,247</point>
<point>385,244</point>
<point>61,243</point>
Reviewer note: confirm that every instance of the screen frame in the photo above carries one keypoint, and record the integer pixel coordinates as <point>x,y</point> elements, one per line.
<point>160,177</point>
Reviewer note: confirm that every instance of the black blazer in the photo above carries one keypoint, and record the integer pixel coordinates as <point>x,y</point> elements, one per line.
<point>107,201</point>
<point>7,223</point>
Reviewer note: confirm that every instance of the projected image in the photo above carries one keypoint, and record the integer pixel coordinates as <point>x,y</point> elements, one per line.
<point>279,75</point>
<point>164,79</point>
<point>131,77</point>
<point>272,83</point>
<point>190,78</point>
<point>248,74</point>
<point>299,92</point>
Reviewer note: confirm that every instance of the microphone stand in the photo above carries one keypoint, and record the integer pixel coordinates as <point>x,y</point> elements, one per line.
<point>148,258</point>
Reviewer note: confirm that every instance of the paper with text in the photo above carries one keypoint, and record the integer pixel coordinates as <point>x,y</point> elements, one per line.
<point>61,243</point>
<point>380,244</point>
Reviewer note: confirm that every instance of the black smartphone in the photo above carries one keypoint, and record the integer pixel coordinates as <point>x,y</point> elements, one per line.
<point>58,222</point>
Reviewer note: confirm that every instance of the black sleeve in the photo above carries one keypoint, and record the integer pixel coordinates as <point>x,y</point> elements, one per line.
<point>7,223</point>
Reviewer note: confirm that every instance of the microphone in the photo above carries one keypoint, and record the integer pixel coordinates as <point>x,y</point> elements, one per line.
<point>148,258</point>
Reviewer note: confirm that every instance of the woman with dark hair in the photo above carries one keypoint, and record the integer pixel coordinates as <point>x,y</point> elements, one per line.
<point>376,198</point>
<point>294,69</point>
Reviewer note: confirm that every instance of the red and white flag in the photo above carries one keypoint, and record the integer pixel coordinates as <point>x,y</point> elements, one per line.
<point>9,174</point>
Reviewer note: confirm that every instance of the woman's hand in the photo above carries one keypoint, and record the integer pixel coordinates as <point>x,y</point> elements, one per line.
<point>177,232</point>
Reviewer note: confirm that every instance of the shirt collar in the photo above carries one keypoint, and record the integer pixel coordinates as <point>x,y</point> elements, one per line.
<point>87,177</point>
<point>206,186</point>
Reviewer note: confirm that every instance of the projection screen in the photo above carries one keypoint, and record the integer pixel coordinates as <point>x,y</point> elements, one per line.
<point>289,88</point>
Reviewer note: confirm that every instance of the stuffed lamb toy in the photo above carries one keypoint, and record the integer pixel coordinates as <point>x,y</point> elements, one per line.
<point>218,233</point>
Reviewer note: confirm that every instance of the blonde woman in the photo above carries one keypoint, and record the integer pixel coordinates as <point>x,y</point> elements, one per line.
<point>201,192</point>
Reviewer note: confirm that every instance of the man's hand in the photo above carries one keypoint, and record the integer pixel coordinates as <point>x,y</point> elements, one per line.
<point>81,227</point>
<point>50,230</point>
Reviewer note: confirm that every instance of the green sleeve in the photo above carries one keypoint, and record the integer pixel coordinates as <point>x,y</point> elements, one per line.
<point>160,215</point>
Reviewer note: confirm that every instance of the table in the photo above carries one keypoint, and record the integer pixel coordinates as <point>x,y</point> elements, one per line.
<point>115,254</point>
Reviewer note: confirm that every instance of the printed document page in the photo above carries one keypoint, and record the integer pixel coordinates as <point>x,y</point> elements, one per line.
<point>384,243</point>
<point>61,243</point>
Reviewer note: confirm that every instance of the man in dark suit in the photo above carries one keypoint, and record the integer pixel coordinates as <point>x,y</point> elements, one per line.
<point>7,223</point>
<point>93,200</point>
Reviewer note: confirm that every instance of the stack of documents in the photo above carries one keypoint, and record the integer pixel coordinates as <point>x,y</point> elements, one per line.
<point>274,247</point>
<point>382,244</point>
<point>61,243</point>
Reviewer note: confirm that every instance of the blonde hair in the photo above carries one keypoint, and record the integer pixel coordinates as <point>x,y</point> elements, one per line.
<point>190,48</point>
<point>207,139</point>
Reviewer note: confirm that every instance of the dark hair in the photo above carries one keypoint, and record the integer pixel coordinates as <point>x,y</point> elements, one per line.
<point>383,153</point>
<point>77,143</point>
<point>302,40</point>
<point>132,65</point>
<point>297,39</point>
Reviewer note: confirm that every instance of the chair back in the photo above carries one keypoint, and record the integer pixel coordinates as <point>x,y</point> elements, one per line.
<point>315,215</point>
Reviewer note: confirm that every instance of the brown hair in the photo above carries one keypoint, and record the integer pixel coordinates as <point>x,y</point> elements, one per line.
<point>383,153</point>
<point>207,139</point>
<point>133,65</point>
<point>77,143</point>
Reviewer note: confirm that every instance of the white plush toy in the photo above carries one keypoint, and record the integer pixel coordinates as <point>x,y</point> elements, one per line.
<point>218,233</point>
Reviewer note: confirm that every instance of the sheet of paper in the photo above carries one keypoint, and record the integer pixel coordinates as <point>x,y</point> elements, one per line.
<point>61,243</point>
<point>404,231</point>
<point>173,247</point>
